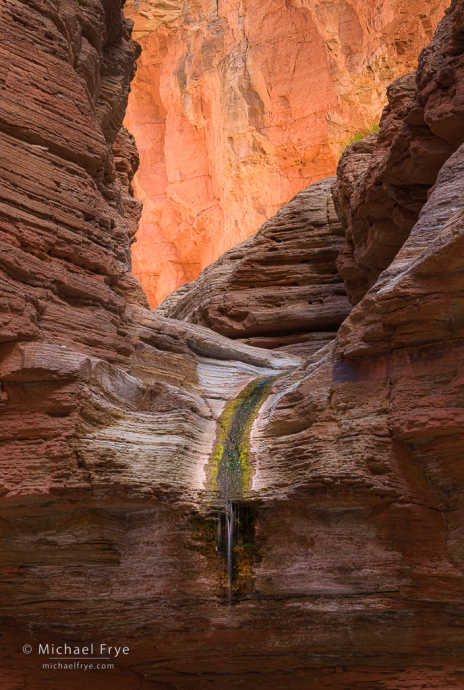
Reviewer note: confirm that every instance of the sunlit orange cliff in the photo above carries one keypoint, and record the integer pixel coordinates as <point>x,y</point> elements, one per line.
<point>236,107</point>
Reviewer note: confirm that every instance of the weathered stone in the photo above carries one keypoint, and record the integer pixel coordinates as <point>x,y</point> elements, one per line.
<point>236,108</point>
<point>430,264</point>
<point>383,182</point>
<point>279,289</point>
<point>110,412</point>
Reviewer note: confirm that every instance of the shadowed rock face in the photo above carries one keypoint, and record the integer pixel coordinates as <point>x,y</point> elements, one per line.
<point>278,289</point>
<point>109,417</point>
<point>65,262</point>
<point>384,181</point>
<point>236,108</point>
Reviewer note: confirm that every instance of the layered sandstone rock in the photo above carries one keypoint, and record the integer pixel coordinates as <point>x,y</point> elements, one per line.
<point>107,412</point>
<point>79,351</point>
<point>371,439</point>
<point>65,261</point>
<point>384,181</point>
<point>374,429</point>
<point>237,108</point>
<point>278,289</point>
<point>355,572</point>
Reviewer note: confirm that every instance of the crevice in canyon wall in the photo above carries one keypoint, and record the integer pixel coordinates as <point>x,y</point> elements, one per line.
<point>230,477</point>
<point>236,108</point>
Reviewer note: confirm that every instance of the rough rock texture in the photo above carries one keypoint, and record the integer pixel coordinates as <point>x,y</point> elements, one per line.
<point>431,257</point>
<point>374,432</point>
<point>278,289</point>
<point>384,180</point>
<point>64,256</point>
<point>109,415</point>
<point>236,108</point>
<point>126,161</point>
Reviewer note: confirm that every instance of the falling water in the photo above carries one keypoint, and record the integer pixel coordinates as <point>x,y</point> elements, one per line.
<point>232,473</point>
<point>230,508</point>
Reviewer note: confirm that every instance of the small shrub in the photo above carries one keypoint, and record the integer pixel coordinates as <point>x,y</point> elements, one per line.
<point>357,136</point>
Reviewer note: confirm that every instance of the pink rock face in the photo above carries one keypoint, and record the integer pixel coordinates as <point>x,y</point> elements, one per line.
<point>237,109</point>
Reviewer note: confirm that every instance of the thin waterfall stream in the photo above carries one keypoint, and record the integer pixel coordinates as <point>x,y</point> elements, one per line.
<point>231,481</point>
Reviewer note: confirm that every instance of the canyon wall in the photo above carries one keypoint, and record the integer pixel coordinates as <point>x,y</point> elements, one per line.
<point>353,578</point>
<point>280,289</point>
<point>365,439</point>
<point>237,107</point>
<point>385,180</point>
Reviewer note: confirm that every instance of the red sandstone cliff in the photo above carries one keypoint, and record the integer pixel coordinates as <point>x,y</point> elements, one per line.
<point>236,108</point>
<point>385,180</point>
<point>109,415</point>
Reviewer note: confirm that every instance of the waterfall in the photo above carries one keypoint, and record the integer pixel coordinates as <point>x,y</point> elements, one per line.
<point>231,480</point>
<point>230,510</point>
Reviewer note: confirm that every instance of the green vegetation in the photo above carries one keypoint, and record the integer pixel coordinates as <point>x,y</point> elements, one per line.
<point>231,469</point>
<point>357,136</point>
<point>206,529</point>
<point>228,539</point>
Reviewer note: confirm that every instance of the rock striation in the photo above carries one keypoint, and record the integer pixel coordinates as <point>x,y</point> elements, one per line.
<point>376,423</point>
<point>384,180</point>
<point>237,108</point>
<point>65,266</point>
<point>353,575</point>
<point>279,289</point>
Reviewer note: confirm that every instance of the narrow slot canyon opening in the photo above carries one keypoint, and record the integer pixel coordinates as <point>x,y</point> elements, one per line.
<point>233,114</point>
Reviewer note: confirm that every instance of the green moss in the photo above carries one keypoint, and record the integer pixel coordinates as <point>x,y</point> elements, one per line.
<point>228,537</point>
<point>357,136</point>
<point>230,464</point>
<point>204,532</point>
<point>246,552</point>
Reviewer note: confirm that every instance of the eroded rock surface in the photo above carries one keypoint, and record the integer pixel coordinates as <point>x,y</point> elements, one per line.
<point>278,289</point>
<point>371,440</point>
<point>65,261</point>
<point>237,108</point>
<point>109,416</point>
<point>384,181</point>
